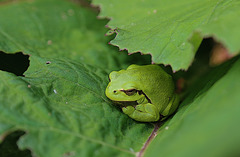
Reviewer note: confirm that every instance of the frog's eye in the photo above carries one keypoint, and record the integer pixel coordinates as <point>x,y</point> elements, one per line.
<point>130,92</point>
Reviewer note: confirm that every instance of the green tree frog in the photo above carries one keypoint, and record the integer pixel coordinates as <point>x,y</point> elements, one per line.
<point>143,92</point>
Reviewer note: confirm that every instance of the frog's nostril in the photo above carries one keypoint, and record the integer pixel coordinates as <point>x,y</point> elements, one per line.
<point>114,91</point>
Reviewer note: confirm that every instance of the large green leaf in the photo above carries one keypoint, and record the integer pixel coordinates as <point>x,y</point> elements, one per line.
<point>207,122</point>
<point>171,30</point>
<point>63,109</point>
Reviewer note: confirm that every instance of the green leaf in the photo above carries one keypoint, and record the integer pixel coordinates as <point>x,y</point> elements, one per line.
<point>171,31</point>
<point>207,122</point>
<point>63,109</point>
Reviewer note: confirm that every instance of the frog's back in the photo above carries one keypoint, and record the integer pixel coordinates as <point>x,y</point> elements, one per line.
<point>156,84</point>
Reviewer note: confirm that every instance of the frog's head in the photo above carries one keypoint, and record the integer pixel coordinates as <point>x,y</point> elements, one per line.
<point>122,88</point>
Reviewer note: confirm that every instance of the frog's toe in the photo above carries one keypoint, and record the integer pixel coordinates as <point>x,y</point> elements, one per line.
<point>128,110</point>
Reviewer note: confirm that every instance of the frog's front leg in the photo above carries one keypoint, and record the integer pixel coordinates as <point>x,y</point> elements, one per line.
<point>142,112</point>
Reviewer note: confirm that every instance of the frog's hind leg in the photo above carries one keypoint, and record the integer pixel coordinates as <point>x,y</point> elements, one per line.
<point>172,106</point>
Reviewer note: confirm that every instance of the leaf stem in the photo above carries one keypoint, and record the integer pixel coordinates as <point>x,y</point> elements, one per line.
<point>150,138</point>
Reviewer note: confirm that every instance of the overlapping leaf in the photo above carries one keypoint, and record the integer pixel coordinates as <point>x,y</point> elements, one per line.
<point>172,30</point>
